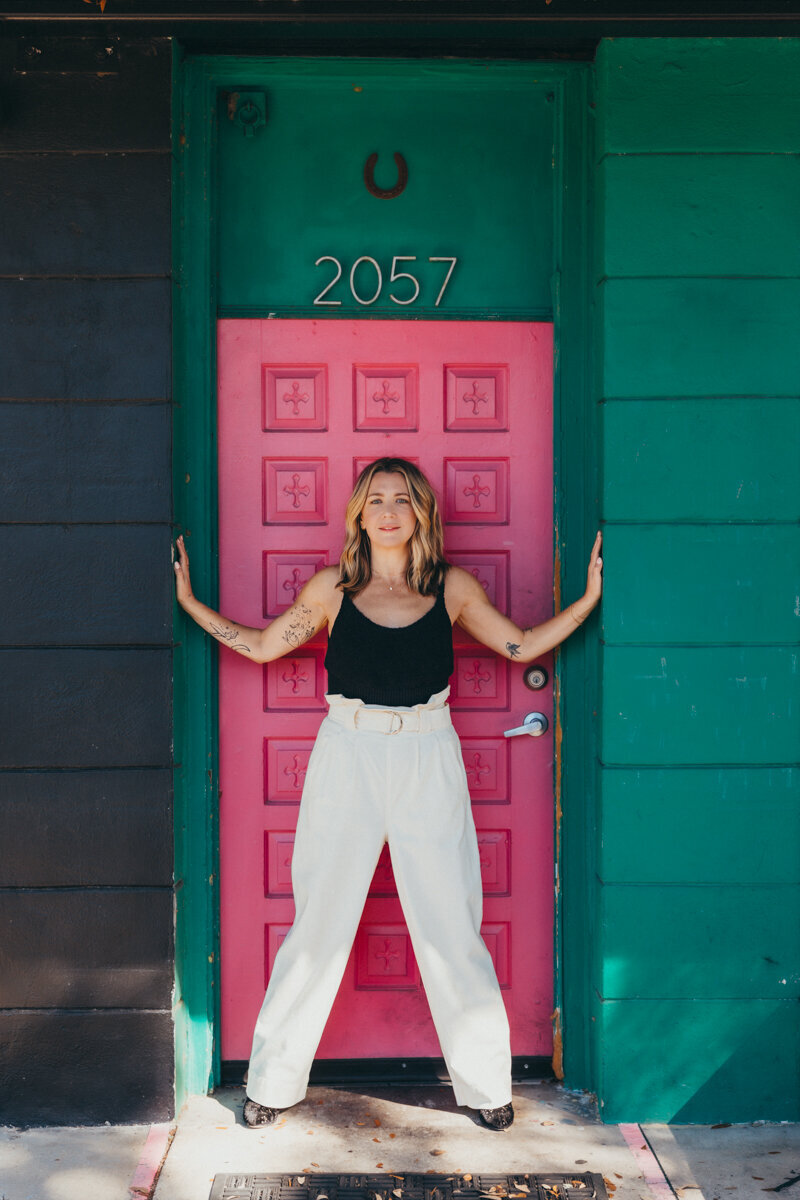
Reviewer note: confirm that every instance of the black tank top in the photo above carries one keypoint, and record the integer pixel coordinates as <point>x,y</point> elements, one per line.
<point>396,667</point>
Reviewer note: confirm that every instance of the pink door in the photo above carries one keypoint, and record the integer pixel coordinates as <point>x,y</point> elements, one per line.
<point>303,405</point>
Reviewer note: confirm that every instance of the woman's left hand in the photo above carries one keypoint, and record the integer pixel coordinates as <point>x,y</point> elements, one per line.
<point>594,575</point>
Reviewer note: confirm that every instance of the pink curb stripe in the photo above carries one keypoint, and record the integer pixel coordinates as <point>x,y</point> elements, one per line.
<point>154,1151</point>
<point>647,1162</point>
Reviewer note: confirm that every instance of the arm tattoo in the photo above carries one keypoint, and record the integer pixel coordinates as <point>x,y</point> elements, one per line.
<point>513,649</point>
<point>301,628</point>
<point>230,636</point>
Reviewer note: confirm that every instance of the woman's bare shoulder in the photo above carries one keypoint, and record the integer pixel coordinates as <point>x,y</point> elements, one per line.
<point>322,584</point>
<point>460,587</point>
<point>462,584</point>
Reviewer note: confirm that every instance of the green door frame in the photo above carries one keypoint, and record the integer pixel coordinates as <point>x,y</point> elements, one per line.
<point>196,81</point>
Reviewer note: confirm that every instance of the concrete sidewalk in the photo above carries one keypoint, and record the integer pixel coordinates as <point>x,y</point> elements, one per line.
<point>402,1130</point>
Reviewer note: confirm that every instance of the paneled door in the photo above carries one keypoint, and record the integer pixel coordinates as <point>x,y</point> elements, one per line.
<point>303,405</point>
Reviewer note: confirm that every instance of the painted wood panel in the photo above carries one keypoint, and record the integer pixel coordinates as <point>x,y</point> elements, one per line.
<point>700,337</point>
<point>85,462</point>
<point>70,1065</point>
<point>391,389</point>
<point>85,707</point>
<point>86,948</point>
<point>702,583</point>
<point>700,825</point>
<point>124,106</point>
<point>699,1061</point>
<point>710,704</point>
<point>670,94</point>
<point>699,214</point>
<point>86,583</point>
<point>86,828</point>
<point>459,129</point>
<point>86,339</point>
<point>74,207</point>
<point>700,942</point>
<point>701,460</point>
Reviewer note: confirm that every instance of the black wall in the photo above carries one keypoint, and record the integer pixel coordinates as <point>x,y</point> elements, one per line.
<point>86,924</point>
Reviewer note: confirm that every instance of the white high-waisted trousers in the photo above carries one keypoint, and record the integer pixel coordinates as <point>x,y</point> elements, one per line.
<point>378,776</point>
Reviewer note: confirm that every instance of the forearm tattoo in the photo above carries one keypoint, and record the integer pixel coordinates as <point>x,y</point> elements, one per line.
<point>300,628</point>
<point>230,637</point>
<point>513,649</point>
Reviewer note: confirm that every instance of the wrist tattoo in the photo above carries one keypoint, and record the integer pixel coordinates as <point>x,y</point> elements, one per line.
<point>513,649</point>
<point>230,637</point>
<point>300,628</point>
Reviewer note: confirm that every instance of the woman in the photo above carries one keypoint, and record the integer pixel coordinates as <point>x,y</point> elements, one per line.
<point>389,607</point>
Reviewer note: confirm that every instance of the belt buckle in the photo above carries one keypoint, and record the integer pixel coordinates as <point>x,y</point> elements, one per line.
<point>389,712</point>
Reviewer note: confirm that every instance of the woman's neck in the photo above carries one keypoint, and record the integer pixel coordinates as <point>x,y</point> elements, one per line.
<point>390,566</point>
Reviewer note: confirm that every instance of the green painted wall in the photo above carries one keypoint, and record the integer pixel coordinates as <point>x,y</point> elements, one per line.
<point>697,359</point>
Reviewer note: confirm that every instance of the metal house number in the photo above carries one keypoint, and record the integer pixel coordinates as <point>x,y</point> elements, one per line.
<point>394,277</point>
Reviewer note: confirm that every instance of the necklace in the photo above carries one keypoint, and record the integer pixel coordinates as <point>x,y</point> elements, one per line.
<point>382,579</point>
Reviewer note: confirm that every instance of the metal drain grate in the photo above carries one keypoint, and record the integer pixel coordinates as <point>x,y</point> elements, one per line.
<point>525,1186</point>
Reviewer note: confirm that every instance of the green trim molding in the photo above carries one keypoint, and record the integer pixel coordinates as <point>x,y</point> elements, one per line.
<point>197,82</point>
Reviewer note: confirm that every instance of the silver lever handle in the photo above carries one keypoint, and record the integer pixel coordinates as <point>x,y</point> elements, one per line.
<point>534,723</point>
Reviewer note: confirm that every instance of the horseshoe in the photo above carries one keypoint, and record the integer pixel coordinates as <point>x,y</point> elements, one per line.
<point>385,193</point>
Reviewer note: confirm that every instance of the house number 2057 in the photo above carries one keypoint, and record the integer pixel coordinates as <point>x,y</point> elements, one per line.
<point>366,279</point>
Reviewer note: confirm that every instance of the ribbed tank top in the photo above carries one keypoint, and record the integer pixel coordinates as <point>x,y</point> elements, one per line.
<point>381,665</point>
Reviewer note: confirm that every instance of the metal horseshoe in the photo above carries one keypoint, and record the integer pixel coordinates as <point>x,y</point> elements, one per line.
<point>385,193</point>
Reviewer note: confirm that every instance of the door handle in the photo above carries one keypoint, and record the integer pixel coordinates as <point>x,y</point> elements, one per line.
<point>534,724</point>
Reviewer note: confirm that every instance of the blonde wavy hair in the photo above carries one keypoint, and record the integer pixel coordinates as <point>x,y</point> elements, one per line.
<point>427,565</point>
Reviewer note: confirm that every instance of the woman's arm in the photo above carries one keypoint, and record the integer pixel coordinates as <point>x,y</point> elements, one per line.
<point>480,618</point>
<point>291,629</point>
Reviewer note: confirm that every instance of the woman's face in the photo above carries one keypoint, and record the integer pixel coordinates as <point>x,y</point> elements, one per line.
<point>387,515</point>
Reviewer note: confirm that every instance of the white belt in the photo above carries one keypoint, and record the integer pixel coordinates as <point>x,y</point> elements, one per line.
<point>390,720</point>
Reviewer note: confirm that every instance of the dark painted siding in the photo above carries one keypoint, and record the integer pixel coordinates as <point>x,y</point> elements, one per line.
<point>86,953</point>
<point>698,303</point>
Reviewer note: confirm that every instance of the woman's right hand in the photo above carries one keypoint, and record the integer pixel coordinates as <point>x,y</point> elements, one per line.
<point>183,583</point>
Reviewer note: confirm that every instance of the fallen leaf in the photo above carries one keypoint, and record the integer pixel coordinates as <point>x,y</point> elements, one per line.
<point>722,1125</point>
<point>392,1135</point>
<point>377,1122</point>
<point>397,1192</point>
<point>609,1185</point>
<point>618,1175</point>
<point>521,1186</point>
<point>469,1177</point>
<point>376,1139</point>
<point>436,1153</point>
<point>548,1122</point>
<point>315,1164</point>
<point>361,1122</point>
<point>301,1178</point>
<point>378,1165</point>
